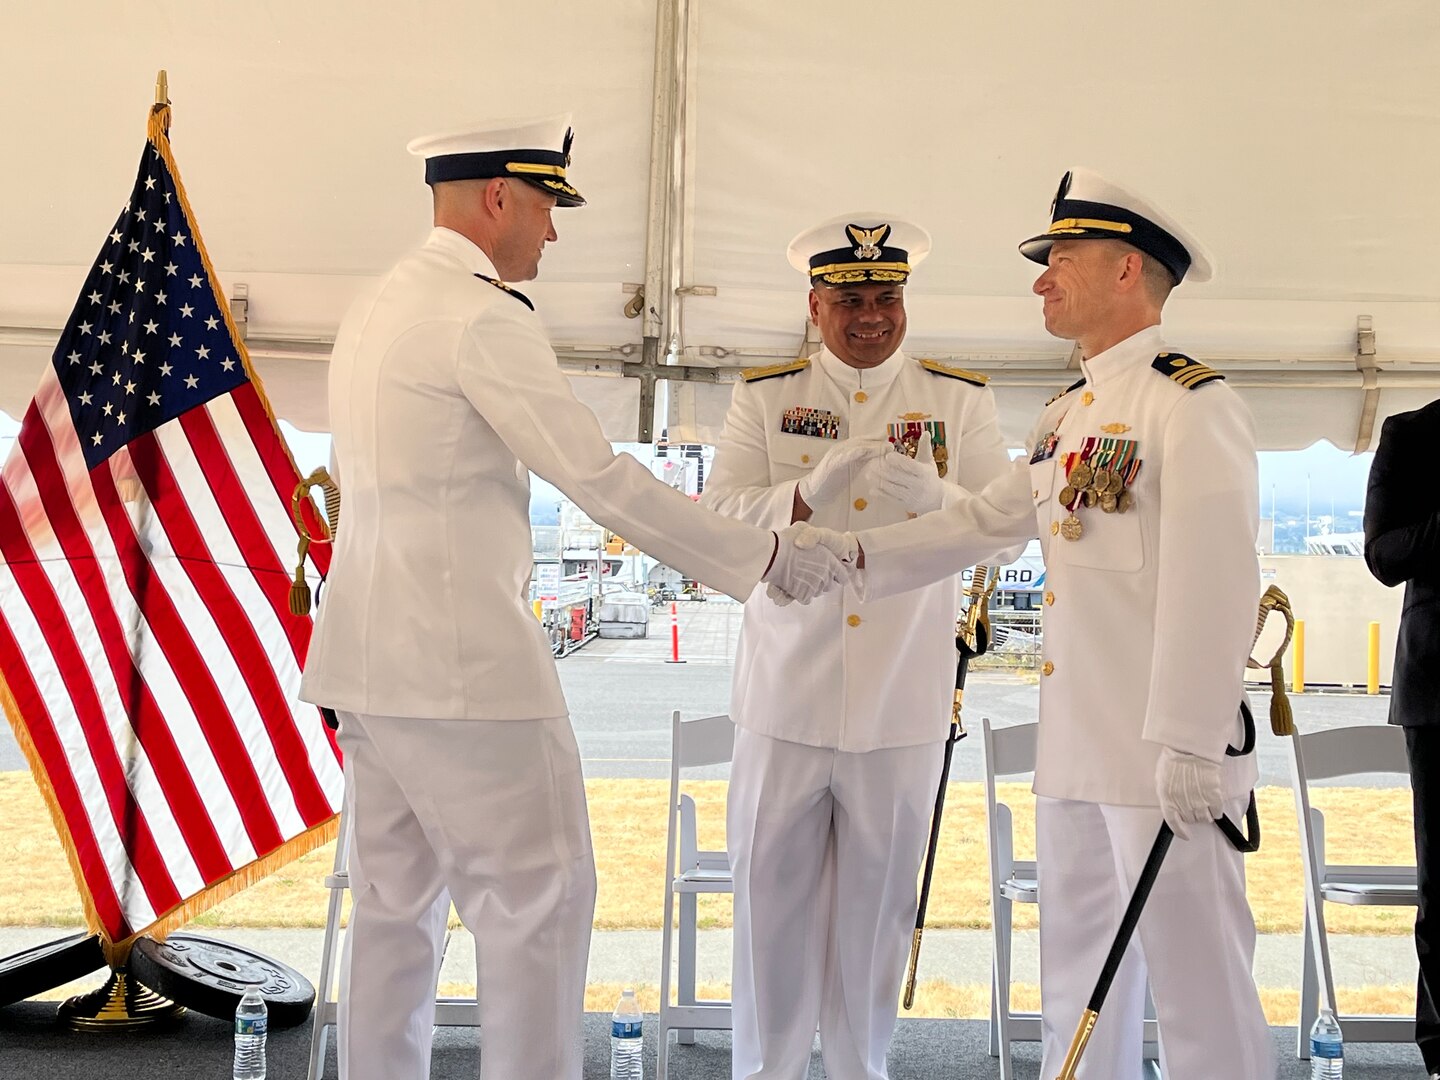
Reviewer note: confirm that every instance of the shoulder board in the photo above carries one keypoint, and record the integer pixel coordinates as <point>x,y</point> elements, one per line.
<point>507,289</point>
<point>755,374</point>
<point>1185,371</point>
<point>1073,386</point>
<point>974,378</point>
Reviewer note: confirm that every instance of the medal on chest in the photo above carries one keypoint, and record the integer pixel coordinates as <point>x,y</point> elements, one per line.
<point>1101,473</point>
<point>906,432</point>
<point>816,423</point>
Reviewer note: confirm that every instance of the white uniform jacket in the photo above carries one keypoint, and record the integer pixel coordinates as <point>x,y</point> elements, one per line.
<point>443,391</point>
<point>1150,614</point>
<point>840,672</point>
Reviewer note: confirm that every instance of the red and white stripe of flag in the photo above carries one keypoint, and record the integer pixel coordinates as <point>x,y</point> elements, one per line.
<point>148,646</point>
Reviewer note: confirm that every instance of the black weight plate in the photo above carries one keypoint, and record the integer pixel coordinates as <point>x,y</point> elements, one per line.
<point>47,966</point>
<point>211,976</point>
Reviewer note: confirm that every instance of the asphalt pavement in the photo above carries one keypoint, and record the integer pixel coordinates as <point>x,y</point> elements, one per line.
<point>622,694</point>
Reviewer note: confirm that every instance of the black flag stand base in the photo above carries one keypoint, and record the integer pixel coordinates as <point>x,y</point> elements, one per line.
<point>122,1004</point>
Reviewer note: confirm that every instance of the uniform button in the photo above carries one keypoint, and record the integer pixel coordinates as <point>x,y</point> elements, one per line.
<point>853,620</point>
<point>861,396</point>
<point>860,504</point>
<point>1086,398</point>
<point>1048,669</point>
<point>1049,597</point>
<point>804,459</point>
<point>1035,494</point>
<point>1054,528</point>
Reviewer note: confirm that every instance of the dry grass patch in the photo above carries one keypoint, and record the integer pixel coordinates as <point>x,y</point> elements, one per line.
<point>628,824</point>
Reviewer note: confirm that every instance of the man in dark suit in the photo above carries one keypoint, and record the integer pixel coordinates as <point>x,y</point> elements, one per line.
<point>1402,544</point>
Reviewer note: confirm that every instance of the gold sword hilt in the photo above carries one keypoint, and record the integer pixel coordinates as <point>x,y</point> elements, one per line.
<point>969,623</point>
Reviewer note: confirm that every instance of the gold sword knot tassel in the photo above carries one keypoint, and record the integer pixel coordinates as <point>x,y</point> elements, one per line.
<point>1282,717</point>
<point>300,588</point>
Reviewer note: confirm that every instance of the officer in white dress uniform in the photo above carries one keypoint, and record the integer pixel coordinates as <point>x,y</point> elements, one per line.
<point>464,770</point>
<point>842,706</point>
<point>1141,480</point>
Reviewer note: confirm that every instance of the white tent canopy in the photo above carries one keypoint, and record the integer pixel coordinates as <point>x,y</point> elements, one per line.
<point>1299,140</point>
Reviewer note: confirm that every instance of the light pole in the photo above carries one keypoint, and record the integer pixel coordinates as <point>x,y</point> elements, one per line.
<point>1307,513</point>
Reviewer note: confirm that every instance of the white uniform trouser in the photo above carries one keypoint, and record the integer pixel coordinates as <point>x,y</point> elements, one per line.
<point>492,812</point>
<point>1196,935</point>
<point>825,848</point>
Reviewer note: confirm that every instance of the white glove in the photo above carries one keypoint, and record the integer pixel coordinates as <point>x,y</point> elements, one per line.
<point>831,477</point>
<point>1189,788</point>
<point>912,482</point>
<point>806,563</point>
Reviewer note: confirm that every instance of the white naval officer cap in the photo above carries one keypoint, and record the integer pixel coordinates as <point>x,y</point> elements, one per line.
<point>853,249</point>
<point>536,151</point>
<point>1087,206</point>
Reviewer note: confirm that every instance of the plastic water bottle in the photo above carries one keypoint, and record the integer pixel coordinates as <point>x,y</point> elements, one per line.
<point>251,1020</point>
<point>1327,1048</point>
<point>625,1040</point>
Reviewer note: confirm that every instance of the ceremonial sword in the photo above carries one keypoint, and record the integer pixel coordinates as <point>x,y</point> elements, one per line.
<point>972,638</point>
<point>1146,882</point>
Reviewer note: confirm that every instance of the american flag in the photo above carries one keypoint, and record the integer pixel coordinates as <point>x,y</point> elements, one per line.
<point>150,660</point>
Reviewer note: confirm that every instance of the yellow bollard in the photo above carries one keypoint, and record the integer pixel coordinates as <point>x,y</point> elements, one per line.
<point>539,609</point>
<point>1374,686</point>
<point>1298,660</point>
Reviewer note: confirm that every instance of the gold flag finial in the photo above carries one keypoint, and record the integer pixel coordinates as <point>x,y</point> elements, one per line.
<point>159,124</point>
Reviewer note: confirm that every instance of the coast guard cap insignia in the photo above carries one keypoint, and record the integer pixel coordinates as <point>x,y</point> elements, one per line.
<point>868,242</point>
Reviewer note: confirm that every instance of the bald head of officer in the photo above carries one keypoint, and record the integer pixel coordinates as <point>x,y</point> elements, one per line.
<point>1111,259</point>
<point>858,266</point>
<point>499,197</point>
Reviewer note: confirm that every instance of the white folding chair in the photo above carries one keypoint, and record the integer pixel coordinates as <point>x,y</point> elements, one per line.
<point>1010,751</point>
<point>689,871</point>
<point>1325,755</point>
<point>449,1012</point>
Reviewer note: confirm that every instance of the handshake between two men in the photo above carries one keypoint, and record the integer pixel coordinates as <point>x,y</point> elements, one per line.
<point>809,560</point>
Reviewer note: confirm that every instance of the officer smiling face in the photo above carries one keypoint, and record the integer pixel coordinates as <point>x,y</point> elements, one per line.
<point>1095,293</point>
<point>861,324</point>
